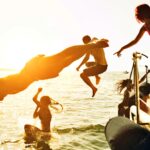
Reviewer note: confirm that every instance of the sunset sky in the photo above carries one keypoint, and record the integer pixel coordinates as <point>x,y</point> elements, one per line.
<point>31,27</point>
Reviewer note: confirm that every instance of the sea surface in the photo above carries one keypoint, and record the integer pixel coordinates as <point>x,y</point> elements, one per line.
<point>81,124</point>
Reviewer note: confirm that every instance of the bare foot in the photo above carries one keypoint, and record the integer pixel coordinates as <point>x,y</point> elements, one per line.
<point>97,80</point>
<point>94,92</point>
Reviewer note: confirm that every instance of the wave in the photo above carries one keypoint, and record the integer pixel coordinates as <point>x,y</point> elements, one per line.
<point>80,129</point>
<point>10,141</point>
<point>90,137</point>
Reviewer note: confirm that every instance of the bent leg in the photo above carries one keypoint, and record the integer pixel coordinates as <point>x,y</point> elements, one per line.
<point>89,83</point>
<point>90,64</point>
<point>98,78</point>
<point>121,111</point>
<point>95,71</point>
<point>93,64</point>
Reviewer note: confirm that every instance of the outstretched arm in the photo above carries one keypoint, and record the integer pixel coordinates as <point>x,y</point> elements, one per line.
<point>133,42</point>
<point>86,58</point>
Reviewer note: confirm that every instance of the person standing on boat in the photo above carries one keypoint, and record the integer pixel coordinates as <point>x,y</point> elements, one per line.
<point>129,96</point>
<point>142,14</point>
<point>96,68</point>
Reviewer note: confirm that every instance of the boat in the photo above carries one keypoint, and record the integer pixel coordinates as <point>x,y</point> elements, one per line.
<point>131,133</point>
<point>126,72</point>
<point>136,113</point>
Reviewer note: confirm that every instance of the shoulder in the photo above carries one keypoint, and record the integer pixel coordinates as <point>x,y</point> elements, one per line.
<point>144,27</point>
<point>147,27</point>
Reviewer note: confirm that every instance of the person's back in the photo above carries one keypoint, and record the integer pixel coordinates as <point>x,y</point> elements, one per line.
<point>42,111</point>
<point>45,117</point>
<point>99,56</point>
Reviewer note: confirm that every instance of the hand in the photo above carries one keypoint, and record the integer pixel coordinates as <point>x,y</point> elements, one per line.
<point>102,43</point>
<point>40,89</point>
<point>118,53</point>
<point>77,68</point>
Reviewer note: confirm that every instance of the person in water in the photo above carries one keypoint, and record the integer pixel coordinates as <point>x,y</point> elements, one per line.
<point>44,67</point>
<point>93,68</point>
<point>142,14</point>
<point>129,97</point>
<point>42,110</point>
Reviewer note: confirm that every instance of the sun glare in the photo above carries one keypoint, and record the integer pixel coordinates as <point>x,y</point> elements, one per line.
<point>18,48</point>
<point>17,57</point>
<point>15,62</point>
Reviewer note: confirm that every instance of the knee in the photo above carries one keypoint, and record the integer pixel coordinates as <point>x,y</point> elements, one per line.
<point>82,74</point>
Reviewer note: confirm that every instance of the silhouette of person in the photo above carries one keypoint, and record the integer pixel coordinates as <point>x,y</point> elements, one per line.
<point>142,14</point>
<point>42,110</point>
<point>33,133</point>
<point>44,67</point>
<point>93,68</point>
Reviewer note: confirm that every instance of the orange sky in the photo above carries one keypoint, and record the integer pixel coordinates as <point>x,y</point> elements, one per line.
<point>31,27</point>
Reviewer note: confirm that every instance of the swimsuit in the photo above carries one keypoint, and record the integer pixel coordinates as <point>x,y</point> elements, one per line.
<point>95,70</point>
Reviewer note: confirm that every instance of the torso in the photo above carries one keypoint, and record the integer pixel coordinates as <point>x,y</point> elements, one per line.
<point>45,117</point>
<point>99,56</point>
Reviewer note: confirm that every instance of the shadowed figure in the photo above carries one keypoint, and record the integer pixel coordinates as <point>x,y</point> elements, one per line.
<point>44,67</point>
<point>129,98</point>
<point>42,110</point>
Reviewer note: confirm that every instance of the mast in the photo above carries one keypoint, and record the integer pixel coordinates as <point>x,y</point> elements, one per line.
<point>136,57</point>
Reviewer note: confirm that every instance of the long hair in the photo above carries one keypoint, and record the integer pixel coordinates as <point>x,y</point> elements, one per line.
<point>127,83</point>
<point>141,12</point>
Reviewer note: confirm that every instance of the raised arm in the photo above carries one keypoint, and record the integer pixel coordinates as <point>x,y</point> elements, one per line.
<point>36,96</point>
<point>133,42</point>
<point>86,58</point>
<point>36,113</point>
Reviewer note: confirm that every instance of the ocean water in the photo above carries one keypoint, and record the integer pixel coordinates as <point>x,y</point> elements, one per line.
<point>81,124</point>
